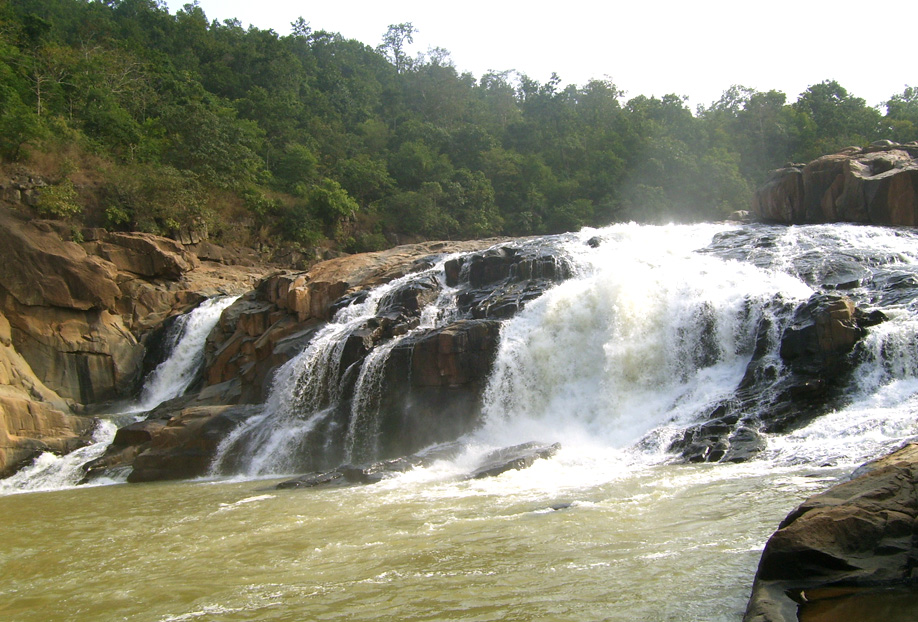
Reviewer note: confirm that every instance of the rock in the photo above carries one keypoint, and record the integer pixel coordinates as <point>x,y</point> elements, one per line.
<point>144,254</point>
<point>500,461</point>
<point>38,269</point>
<point>185,446</point>
<point>859,535</point>
<point>877,185</point>
<point>33,418</point>
<point>818,354</point>
<point>513,458</point>
<point>781,198</point>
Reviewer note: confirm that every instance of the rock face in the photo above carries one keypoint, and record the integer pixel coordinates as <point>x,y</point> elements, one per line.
<point>876,185</point>
<point>430,382</point>
<point>817,354</point>
<point>74,321</point>
<point>33,418</point>
<point>860,535</point>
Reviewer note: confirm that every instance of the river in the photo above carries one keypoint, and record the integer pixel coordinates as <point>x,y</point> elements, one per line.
<point>610,528</point>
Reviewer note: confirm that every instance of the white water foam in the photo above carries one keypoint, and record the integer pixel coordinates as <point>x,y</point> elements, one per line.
<point>52,472</point>
<point>174,375</point>
<point>651,334</point>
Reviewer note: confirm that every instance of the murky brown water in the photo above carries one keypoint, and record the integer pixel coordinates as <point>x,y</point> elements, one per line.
<point>664,543</point>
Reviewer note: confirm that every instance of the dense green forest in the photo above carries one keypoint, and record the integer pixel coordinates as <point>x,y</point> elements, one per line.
<point>145,120</point>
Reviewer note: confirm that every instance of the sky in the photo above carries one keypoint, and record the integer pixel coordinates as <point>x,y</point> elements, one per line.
<point>694,49</point>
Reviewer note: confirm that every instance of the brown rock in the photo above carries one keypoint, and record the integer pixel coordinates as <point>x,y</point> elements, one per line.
<point>37,268</point>
<point>858,535</point>
<point>877,185</point>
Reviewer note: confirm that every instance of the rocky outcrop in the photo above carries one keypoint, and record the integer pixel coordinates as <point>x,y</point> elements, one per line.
<point>817,355</point>
<point>839,548</point>
<point>876,185</point>
<point>430,382</point>
<point>185,445</point>
<point>79,312</point>
<point>273,323</point>
<point>33,418</point>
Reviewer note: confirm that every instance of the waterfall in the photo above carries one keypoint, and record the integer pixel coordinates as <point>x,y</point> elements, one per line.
<point>656,330</point>
<point>171,378</point>
<point>651,333</point>
<point>308,411</point>
<point>185,354</point>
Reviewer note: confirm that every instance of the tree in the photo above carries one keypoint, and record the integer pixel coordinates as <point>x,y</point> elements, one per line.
<point>838,119</point>
<point>393,45</point>
<point>901,117</point>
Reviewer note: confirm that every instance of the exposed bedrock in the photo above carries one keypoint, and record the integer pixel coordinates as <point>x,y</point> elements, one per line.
<point>429,383</point>
<point>75,321</point>
<point>877,185</point>
<point>849,553</point>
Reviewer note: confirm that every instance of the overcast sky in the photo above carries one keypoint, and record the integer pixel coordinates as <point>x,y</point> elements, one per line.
<point>692,48</point>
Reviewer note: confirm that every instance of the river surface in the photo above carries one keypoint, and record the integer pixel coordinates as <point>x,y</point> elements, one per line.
<point>655,328</point>
<point>659,543</point>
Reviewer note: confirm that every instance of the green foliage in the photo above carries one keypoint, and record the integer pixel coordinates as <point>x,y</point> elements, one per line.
<point>59,201</point>
<point>310,136</point>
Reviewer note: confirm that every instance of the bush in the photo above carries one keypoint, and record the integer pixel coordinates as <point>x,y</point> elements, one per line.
<point>59,201</point>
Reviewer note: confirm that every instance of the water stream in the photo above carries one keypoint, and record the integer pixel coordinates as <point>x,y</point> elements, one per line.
<point>184,347</point>
<point>657,326</point>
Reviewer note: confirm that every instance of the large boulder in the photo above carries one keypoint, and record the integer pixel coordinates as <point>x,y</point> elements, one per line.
<point>37,268</point>
<point>144,254</point>
<point>877,185</point>
<point>856,538</point>
<point>185,446</point>
<point>33,418</point>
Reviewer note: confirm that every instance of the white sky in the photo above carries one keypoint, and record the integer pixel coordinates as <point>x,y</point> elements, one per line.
<point>693,48</point>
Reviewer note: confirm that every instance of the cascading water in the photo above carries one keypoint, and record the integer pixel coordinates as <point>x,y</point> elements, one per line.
<point>185,354</point>
<point>307,391</point>
<point>171,378</point>
<point>654,331</point>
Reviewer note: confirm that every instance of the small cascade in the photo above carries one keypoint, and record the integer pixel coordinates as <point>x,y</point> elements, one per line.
<point>323,404</point>
<point>52,472</point>
<point>185,354</point>
<point>171,378</point>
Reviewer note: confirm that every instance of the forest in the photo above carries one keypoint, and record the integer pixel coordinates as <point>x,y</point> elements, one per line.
<point>144,120</point>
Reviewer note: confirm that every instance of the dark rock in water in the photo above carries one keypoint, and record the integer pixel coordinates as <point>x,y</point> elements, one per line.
<point>500,461</point>
<point>514,458</point>
<point>818,355</point>
<point>859,535</point>
<point>185,446</point>
<point>315,480</point>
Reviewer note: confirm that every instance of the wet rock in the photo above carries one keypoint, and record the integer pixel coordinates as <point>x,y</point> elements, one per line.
<point>859,535</point>
<point>514,458</point>
<point>497,462</point>
<point>186,445</point>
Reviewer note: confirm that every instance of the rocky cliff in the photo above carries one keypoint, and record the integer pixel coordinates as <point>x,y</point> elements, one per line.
<point>75,319</point>
<point>876,185</point>
<point>437,373</point>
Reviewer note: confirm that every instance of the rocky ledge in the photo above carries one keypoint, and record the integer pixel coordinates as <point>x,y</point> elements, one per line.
<point>849,553</point>
<point>76,320</point>
<point>876,185</point>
